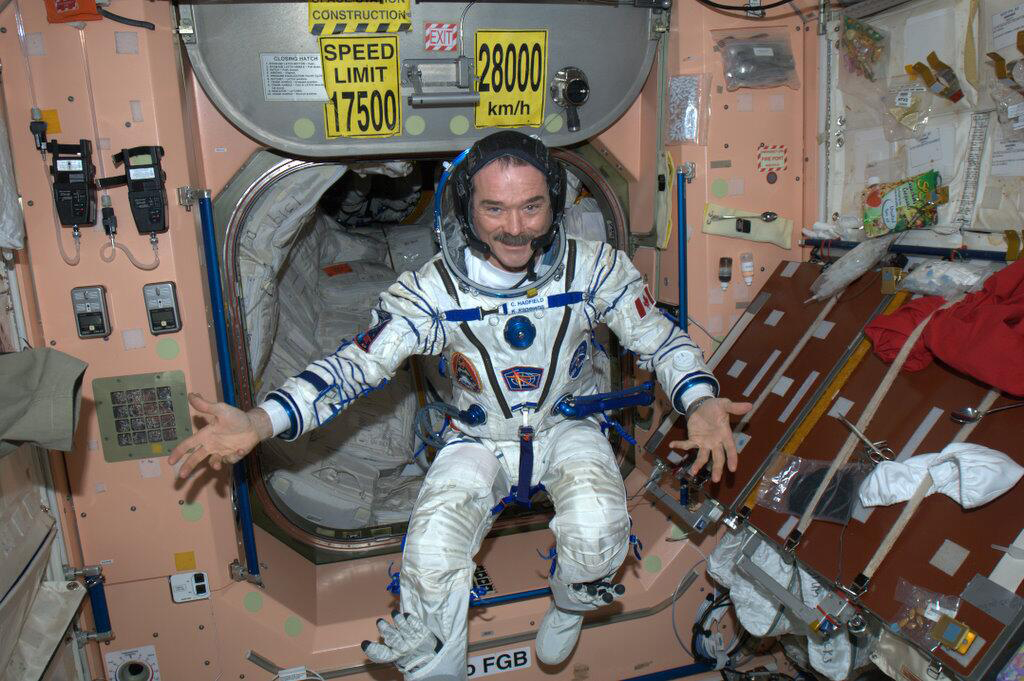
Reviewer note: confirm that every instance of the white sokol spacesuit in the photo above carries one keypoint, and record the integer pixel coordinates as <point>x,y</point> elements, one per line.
<point>514,348</point>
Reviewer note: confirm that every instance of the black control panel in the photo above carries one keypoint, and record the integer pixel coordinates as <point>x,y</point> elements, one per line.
<point>74,182</point>
<point>147,195</point>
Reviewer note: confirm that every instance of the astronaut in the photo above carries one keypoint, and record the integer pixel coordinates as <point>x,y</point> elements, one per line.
<point>512,304</point>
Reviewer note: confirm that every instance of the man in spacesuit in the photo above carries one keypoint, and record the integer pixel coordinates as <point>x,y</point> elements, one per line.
<point>512,304</point>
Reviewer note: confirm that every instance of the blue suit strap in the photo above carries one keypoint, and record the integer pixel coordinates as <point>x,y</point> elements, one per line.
<point>475,314</point>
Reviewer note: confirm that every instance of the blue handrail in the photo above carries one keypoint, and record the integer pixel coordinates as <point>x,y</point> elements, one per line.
<point>241,480</point>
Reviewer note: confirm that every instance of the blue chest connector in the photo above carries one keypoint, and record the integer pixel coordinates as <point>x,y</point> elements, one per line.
<point>520,332</point>
<point>581,407</point>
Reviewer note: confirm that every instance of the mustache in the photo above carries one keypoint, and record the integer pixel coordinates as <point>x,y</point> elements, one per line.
<point>514,239</point>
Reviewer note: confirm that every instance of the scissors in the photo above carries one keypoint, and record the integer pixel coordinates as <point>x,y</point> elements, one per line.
<point>875,451</point>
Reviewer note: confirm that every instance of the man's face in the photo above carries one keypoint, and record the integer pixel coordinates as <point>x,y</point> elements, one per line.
<point>511,207</point>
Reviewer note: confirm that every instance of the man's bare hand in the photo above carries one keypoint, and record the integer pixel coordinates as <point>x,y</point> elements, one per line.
<point>228,435</point>
<point>708,431</point>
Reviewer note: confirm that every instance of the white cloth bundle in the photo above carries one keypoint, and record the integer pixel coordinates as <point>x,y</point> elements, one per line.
<point>970,474</point>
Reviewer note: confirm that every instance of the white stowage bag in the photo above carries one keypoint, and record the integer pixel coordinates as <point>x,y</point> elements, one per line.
<point>279,220</point>
<point>761,615</point>
<point>12,223</point>
<point>970,474</point>
<point>340,244</point>
<point>756,609</point>
<point>411,246</point>
<point>584,220</point>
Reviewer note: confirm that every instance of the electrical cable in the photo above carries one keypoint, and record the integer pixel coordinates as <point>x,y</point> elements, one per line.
<point>138,23</point>
<point>745,8</point>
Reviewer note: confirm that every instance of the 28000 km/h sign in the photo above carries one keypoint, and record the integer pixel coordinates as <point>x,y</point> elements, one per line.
<point>361,76</point>
<point>511,77</point>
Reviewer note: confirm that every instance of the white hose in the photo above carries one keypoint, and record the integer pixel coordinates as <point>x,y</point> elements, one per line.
<point>112,245</point>
<point>60,245</point>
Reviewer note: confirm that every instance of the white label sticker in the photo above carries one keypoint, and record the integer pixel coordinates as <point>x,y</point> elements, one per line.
<point>142,173</point>
<point>525,305</point>
<point>934,151</point>
<point>790,269</point>
<point>1005,26</point>
<point>764,52</point>
<point>1015,110</point>
<point>903,98</point>
<point>1008,159</point>
<point>1018,123</point>
<point>70,164</point>
<point>293,78</point>
<point>773,317</point>
<point>736,369</point>
<point>496,663</point>
<point>823,328</point>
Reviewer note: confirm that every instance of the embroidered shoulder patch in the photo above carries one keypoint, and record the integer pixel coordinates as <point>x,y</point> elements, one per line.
<point>644,302</point>
<point>522,379</point>
<point>365,339</point>
<point>464,373</point>
<point>579,357</point>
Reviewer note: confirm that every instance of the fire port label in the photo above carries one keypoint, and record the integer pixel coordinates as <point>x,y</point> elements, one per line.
<point>511,74</point>
<point>361,77</point>
<point>771,157</point>
<point>496,663</point>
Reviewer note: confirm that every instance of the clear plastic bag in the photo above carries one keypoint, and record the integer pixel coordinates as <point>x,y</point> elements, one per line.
<point>947,279</point>
<point>906,105</point>
<point>838,276</point>
<point>921,610</point>
<point>756,58</point>
<point>687,109</point>
<point>864,57</point>
<point>791,489</point>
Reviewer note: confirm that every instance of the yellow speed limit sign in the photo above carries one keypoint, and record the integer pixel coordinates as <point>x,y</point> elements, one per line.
<point>511,75</point>
<point>361,79</point>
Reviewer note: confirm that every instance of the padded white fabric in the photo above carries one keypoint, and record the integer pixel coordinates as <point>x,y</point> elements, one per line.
<point>970,474</point>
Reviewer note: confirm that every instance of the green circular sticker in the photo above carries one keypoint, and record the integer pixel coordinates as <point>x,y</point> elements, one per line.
<point>253,601</point>
<point>553,123</point>
<point>304,128</point>
<point>192,512</point>
<point>652,563</point>
<point>719,188</point>
<point>459,125</point>
<point>415,125</point>
<point>293,626</point>
<point>167,348</point>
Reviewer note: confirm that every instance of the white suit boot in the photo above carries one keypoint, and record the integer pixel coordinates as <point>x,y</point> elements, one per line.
<point>591,528</point>
<point>557,635</point>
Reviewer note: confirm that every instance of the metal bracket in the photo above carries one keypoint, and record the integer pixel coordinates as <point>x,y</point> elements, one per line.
<point>653,4</point>
<point>188,196</point>
<point>71,573</point>
<point>186,27</point>
<point>689,171</point>
<point>240,574</point>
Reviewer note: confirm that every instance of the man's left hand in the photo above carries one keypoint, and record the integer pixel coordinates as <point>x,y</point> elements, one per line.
<point>708,431</point>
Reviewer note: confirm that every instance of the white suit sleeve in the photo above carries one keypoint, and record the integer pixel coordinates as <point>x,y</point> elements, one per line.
<point>618,296</point>
<point>405,322</point>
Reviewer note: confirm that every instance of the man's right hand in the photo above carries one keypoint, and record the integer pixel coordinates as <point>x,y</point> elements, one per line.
<point>228,435</point>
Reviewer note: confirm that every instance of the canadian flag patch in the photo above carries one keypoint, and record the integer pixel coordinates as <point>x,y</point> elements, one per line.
<point>644,303</point>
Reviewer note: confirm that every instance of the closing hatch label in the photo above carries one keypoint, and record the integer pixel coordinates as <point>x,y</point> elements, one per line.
<point>292,77</point>
<point>511,70</point>
<point>361,77</point>
<point>328,17</point>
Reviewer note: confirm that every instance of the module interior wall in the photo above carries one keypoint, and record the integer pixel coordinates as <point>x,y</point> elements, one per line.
<point>132,517</point>
<point>726,167</point>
